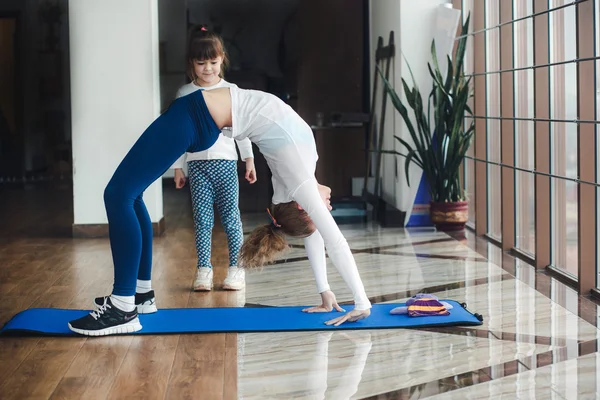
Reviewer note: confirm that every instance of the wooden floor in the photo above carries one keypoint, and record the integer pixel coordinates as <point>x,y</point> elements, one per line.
<point>40,266</point>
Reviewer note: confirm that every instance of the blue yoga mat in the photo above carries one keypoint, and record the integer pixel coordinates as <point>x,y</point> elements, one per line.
<point>52,321</point>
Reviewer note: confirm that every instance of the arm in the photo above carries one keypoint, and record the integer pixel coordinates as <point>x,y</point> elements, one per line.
<point>245,146</point>
<point>180,161</point>
<point>179,175</point>
<point>310,200</point>
<point>315,249</point>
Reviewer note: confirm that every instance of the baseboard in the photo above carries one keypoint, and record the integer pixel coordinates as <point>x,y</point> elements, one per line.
<point>90,231</point>
<point>563,277</point>
<point>383,212</point>
<point>389,216</point>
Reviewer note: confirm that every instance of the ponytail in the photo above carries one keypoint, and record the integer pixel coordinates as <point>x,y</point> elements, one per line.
<point>264,245</point>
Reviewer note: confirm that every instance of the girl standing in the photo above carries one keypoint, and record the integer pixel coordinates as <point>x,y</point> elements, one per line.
<point>213,173</point>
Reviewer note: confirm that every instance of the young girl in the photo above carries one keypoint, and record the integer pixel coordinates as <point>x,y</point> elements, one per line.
<point>213,172</point>
<point>193,123</point>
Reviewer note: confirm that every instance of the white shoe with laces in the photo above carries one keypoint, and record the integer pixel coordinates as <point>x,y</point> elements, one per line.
<point>236,279</point>
<point>204,279</point>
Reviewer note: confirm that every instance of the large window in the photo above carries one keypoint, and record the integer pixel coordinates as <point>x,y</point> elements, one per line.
<point>524,130</point>
<point>563,136</point>
<point>550,109</point>
<point>492,55</point>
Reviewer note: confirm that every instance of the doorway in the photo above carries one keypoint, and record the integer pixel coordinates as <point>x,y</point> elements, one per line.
<point>11,137</point>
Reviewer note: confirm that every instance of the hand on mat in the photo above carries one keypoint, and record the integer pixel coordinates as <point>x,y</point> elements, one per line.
<point>328,303</point>
<point>250,170</point>
<point>179,178</point>
<point>352,316</point>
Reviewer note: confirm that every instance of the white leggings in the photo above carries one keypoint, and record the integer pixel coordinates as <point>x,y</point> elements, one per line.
<point>329,236</point>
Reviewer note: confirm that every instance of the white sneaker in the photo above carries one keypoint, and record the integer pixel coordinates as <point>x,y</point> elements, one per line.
<point>204,279</point>
<point>236,279</point>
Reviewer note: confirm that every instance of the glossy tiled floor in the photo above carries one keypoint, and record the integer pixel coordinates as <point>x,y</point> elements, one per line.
<point>532,344</point>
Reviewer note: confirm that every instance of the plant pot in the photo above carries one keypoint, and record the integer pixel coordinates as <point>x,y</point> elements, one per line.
<point>449,217</point>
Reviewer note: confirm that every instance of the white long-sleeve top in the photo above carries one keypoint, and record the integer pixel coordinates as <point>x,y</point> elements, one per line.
<point>288,145</point>
<point>280,133</point>
<point>224,147</point>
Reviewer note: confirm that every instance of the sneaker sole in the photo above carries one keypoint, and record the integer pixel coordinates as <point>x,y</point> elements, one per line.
<point>147,308</point>
<point>129,327</point>
<point>201,288</point>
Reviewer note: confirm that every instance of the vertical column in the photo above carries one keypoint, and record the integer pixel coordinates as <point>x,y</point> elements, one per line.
<point>507,130</point>
<point>457,4</point>
<point>480,123</point>
<point>586,148</point>
<point>558,135</point>
<point>542,136</point>
<point>115,95</point>
<point>524,135</point>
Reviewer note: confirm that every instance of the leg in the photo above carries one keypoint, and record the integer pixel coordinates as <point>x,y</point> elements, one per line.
<point>144,295</point>
<point>144,301</point>
<point>130,228</point>
<point>338,250</point>
<point>186,124</point>
<point>202,208</point>
<point>145,268</point>
<point>227,194</point>
<point>160,145</point>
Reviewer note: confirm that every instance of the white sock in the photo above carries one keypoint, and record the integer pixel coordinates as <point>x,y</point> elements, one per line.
<point>125,303</point>
<point>143,286</point>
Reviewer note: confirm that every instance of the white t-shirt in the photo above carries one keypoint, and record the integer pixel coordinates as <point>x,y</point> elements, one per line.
<point>280,133</point>
<point>224,147</point>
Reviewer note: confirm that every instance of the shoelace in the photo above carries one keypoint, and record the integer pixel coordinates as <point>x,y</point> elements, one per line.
<point>96,314</point>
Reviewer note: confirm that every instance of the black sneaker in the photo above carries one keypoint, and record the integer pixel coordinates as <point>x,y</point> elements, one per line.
<point>106,320</point>
<point>145,302</point>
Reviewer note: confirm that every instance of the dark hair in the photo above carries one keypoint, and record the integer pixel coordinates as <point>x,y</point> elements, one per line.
<point>204,45</point>
<point>266,243</point>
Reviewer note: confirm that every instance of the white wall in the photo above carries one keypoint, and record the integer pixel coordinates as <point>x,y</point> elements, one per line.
<point>414,26</point>
<point>115,95</point>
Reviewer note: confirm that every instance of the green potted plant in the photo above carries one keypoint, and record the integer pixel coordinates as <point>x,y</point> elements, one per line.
<point>441,143</point>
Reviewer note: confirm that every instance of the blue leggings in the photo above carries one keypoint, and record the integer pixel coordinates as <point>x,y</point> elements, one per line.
<point>186,126</point>
<point>215,182</point>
